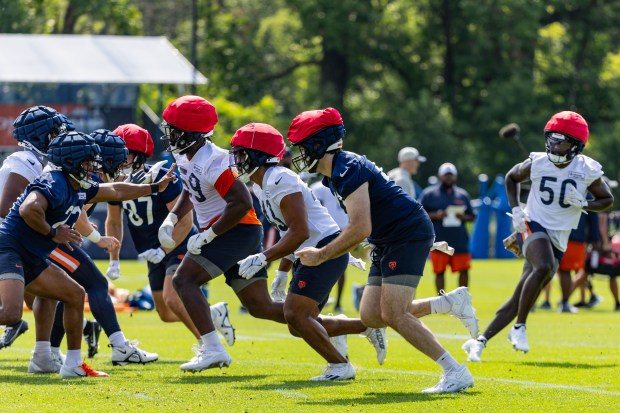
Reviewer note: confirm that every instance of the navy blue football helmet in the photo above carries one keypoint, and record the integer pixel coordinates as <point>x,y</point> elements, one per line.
<point>35,127</point>
<point>113,152</point>
<point>317,145</point>
<point>76,154</point>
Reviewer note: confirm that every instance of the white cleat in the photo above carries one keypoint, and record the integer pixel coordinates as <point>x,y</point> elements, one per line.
<point>81,371</point>
<point>43,363</point>
<point>59,357</point>
<point>205,359</point>
<point>221,321</point>
<point>340,342</point>
<point>130,353</point>
<point>461,308</point>
<point>341,371</point>
<point>473,348</point>
<point>518,339</point>
<point>453,381</point>
<point>378,339</point>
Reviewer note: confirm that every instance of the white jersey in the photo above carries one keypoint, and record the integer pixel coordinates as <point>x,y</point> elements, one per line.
<point>545,203</point>
<point>330,202</point>
<point>200,177</point>
<point>279,182</point>
<point>24,163</point>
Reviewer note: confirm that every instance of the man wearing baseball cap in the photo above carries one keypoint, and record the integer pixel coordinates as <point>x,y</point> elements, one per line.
<point>449,208</point>
<point>409,160</point>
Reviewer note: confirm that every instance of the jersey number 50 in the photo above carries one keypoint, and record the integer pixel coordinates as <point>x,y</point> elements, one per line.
<point>549,190</point>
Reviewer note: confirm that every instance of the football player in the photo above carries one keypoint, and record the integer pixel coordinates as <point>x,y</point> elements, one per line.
<point>561,177</point>
<point>145,215</point>
<point>42,218</point>
<point>302,221</point>
<point>228,223</point>
<point>399,229</point>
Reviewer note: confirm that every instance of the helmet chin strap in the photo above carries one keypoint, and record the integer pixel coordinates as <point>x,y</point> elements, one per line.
<point>84,183</point>
<point>558,159</point>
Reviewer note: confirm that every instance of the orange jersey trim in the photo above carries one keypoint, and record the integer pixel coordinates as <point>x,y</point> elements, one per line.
<point>222,185</point>
<point>64,260</point>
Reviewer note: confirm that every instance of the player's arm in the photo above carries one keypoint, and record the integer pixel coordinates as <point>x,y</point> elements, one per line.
<point>121,191</point>
<point>32,210</point>
<point>360,227</point>
<point>114,227</point>
<point>13,188</point>
<point>603,198</point>
<point>183,205</point>
<point>295,216</point>
<point>87,230</point>
<point>183,227</point>
<point>517,174</point>
<point>238,204</point>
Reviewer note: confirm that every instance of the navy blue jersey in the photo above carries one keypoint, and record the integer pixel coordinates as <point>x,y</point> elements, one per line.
<point>587,230</point>
<point>438,197</point>
<point>145,214</point>
<point>95,178</point>
<point>395,215</point>
<point>64,206</point>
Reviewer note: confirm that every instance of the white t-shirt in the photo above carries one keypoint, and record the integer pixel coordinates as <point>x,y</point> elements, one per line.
<point>402,178</point>
<point>545,203</point>
<point>279,182</point>
<point>329,201</point>
<point>200,177</point>
<point>24,163</point>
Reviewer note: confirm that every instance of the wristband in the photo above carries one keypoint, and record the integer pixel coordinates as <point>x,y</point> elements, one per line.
<point>52,233</point>
<point>94,236</point>
<point>210,234</point>
<point>154,188</point>
<point>172,217</point>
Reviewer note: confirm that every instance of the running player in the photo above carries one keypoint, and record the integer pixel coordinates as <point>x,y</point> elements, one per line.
<point>561,177</point>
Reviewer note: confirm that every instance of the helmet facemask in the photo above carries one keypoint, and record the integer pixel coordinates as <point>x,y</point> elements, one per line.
<point>247,161</point>
<point>562,148</point>
<point>178,141</point>
<point>316,146</point>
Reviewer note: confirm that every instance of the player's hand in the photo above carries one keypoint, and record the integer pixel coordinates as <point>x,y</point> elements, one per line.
<point>165,231</point>
<point>136,178</point>
<point>251,265</point>
<point>154,255</point>
<point>153,172</point>
<point>310,256</point>
<point>67,235</point>
<point>278,286</point>
<point>574,198</point>
<point>195,242</point>
<point>114,270</point>
<point>519,218</point>
<point>109,243</point>
<point>166,179</point>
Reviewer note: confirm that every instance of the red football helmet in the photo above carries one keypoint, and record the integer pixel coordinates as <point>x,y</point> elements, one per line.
<point>566,135</point>
<point>187,120</point>
<point>139,143</point>
<point>255,145</point>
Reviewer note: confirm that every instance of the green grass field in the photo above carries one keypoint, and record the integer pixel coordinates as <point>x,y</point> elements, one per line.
<point>573,365</point>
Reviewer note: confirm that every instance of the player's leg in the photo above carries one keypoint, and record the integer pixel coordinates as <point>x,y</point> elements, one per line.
<point>613,287</point>
<point>339,288</point>
<point>157,280</point>
<point>43,359</point>
<point>11,307</point>
<point>539,253</point>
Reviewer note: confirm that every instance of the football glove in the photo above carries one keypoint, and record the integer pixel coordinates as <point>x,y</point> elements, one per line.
<point>114,270</point>
<point>519,218</point>
<point>278,286</point>
<point>195,242</point>
<point>137,178</point>
<point>251,265</point>
<point>154,255</point>
<point>165,231</point>
<point>574,198</point>
<point>150,177</point>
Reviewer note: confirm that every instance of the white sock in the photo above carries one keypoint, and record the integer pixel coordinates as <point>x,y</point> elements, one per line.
<point>447,362</point>
<point>482,339</point>
<point>42,347</point>
<point>84,321</point>
<point>440,305</point>
<point>212,342</point>
<point>74,358</point>
<point>519,325</point>
<point>117,339</point>
<point>56,350</point>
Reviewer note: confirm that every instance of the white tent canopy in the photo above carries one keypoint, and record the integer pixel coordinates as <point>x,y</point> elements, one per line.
<point>93,59</point>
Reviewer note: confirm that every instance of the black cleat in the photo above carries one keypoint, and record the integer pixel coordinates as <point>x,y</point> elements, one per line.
<point>91,332</point>
<point>12,332</point>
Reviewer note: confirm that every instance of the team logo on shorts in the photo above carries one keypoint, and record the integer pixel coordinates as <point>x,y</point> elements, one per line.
<point>392,265</point>
<point>301,284</point>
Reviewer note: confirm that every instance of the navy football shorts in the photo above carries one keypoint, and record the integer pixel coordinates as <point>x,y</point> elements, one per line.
<point>17,263</point>
<point>400,263</point>
<point>535,231</point>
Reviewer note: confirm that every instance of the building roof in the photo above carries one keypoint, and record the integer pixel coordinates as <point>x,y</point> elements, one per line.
<point>30,58</point>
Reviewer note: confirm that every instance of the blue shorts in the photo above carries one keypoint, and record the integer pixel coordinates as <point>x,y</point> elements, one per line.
<point>400,263</point>
<point>317,282</point>
<point>221,255</point>
<point>17,263</point>
<point>535,228</point>
<point>166,268</point>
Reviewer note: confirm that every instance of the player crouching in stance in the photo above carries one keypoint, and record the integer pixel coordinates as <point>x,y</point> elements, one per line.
<point>144,217</point>
<point>301,219</point>
<point>401,232</point>
<point>561,177</point>
<point>41,219</point>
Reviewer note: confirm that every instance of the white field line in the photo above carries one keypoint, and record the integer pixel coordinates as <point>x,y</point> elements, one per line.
<point>525,383</point>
